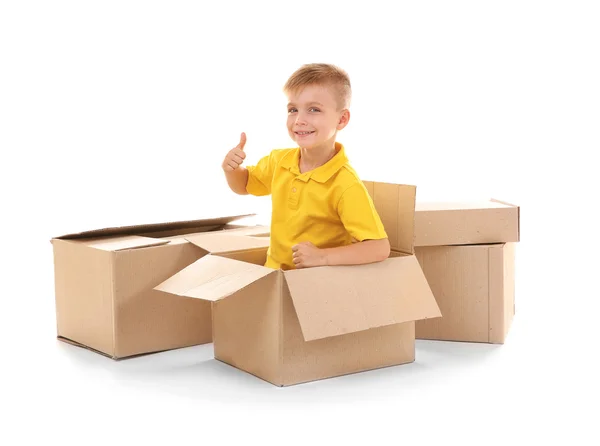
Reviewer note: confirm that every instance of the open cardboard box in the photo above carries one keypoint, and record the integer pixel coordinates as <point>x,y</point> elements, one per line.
<point>289,327</point>
<point>104,282</point>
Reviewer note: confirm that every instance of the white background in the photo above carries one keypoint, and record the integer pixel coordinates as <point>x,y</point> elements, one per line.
<point>120,112</point>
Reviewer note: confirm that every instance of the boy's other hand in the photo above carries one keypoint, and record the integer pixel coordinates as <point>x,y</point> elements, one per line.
<point>306,255</point>
<point>235,157</point>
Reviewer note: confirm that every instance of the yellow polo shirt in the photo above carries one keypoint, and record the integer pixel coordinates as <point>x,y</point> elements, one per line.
<point>328,206</point>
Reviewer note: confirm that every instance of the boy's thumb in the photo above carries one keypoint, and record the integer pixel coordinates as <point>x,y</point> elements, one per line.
<point>242,140</point>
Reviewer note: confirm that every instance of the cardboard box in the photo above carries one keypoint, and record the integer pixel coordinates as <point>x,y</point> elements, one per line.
<point>455,223</point>
<point>290,327</point>
<point>475,289</point>
<point>104,282</point>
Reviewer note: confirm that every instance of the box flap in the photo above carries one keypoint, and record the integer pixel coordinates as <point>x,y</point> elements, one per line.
<point>336,300</point>
<point>154,227</point>
<point>125,242</point>
<point>213,278</point>
<point>395,204</point>
<point>220,243</point>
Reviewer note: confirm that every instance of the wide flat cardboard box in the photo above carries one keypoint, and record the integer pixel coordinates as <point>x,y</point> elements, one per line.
<point>104,282</point>
<point>474,287</point>
<point>466,223</point>
<point>290,327</point>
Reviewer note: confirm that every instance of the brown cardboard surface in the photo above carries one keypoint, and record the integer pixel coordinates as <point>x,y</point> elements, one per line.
<point>502,291</point>
<point>256,256</point>
<point>474,288</point>
<point>331,301</point>
<point>145,320</point>
<point>123,242</point>
<point>466,223</point>
<point>395,204</point>
<point>257,330</point>
<point>80,271</point>
<point>247,329</point>
<point>217,243</point>
<point>181,235</point>
<point>340,355</point>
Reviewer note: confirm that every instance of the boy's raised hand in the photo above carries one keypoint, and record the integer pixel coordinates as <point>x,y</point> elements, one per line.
<point>235,157</point>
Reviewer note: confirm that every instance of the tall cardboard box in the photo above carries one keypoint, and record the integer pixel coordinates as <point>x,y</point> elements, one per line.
<point>290,327</point>
<point>104,282</point>
<point>467,252</point>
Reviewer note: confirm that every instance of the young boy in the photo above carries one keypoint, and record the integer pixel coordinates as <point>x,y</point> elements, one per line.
<point>322,213</point>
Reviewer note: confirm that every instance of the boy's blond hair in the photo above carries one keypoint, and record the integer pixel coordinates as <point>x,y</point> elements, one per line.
<point>325,75</point>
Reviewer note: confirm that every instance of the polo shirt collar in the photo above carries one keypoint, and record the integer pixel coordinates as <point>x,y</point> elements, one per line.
<point>321,174</point>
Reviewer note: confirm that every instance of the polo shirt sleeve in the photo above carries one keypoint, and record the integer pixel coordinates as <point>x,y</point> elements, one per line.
<point>358,214</point>
<point>260,176</point>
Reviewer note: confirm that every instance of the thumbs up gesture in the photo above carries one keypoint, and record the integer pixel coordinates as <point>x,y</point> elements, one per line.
<point>235,157</point>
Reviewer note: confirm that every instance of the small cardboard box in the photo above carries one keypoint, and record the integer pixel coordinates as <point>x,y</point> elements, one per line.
<point>474,287</point>
<point>290,327</point>
<point>104,282</point>
<point>455,223</point>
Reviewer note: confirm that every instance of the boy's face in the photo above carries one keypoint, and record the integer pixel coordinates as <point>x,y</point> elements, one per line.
<point>313,117</point>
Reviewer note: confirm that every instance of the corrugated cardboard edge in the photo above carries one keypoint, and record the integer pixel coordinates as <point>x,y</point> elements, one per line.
<point>347,374</point>
<point>113,292</point>
<point>414,221</point>
<point>501,291</point>
<point>282,283</point>
<point>262,378</point>
<point>518,215</point>
<point>152,227</point>
<point>85,347</point>
<point>509,286</point>
<point>113,357</point>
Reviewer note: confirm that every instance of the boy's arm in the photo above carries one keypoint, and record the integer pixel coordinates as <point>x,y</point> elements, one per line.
<point>361,220</point>
<point>237,180</point>
<point>306,255</point>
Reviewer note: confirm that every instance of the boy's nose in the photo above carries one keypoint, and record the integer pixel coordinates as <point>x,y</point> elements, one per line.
<point>300,119</point>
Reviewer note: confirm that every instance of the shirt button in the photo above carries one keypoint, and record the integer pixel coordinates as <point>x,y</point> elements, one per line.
<point>294,189</point>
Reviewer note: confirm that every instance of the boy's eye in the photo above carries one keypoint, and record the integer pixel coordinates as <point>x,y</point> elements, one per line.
<point>312,109</point>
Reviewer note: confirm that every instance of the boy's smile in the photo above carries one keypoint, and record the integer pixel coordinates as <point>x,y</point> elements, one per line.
<point>303,134</point>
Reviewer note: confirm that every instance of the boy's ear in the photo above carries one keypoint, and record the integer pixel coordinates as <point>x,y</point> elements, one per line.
<point>344,119</point>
